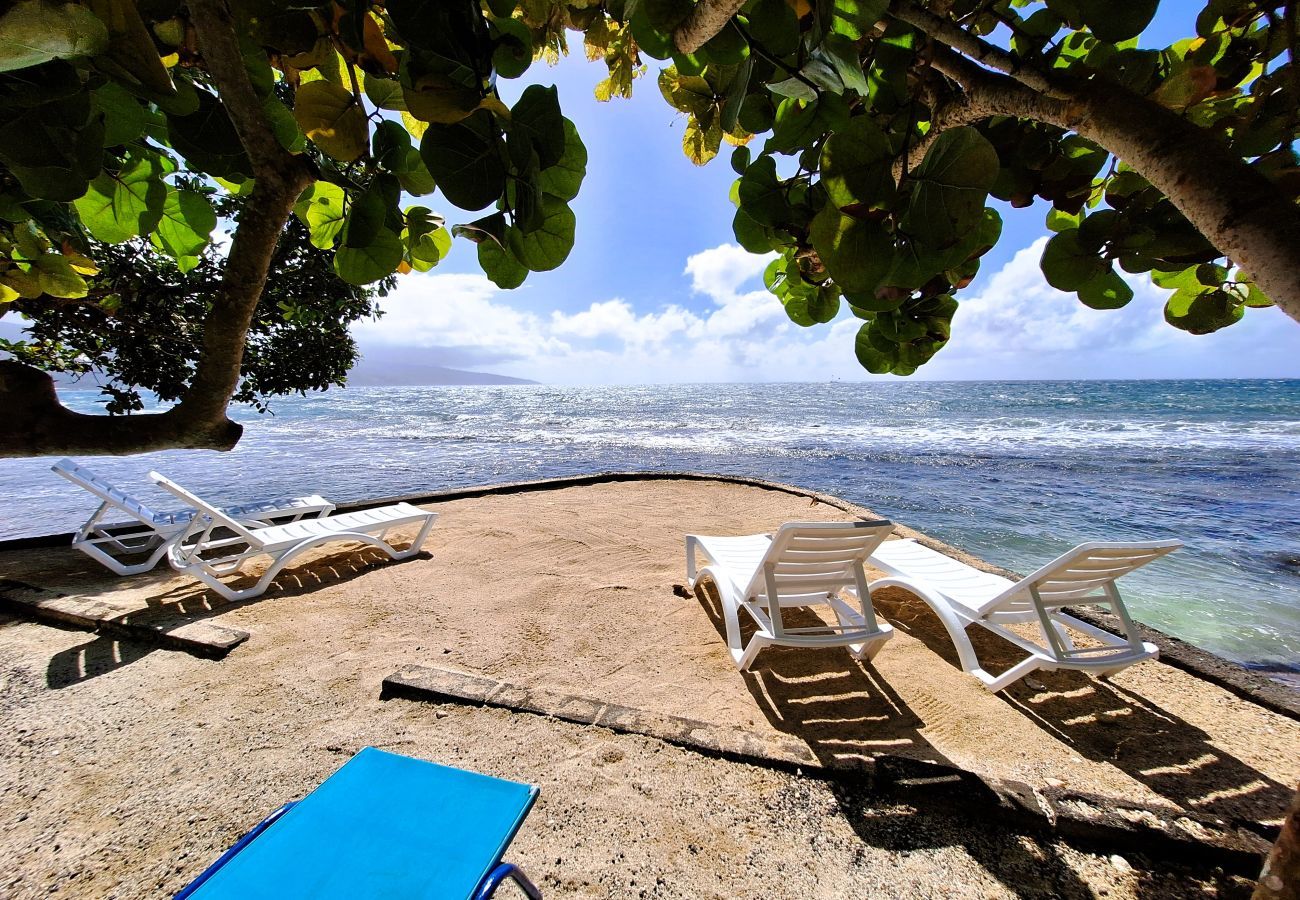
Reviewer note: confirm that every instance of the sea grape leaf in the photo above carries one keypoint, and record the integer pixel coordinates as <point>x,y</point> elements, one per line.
<point>464,160</point>
<point>761,194</point>
<point>1203,312</point>
<point>856,252</point>
<point>1106,291</point>
<point>856,165</point>
<point>564,179</point>
<point>438,98</point>
<point>186,224</point>
<point>500,265</point>
<point>207,138</point>
<point>124,117</point>
<point>328,115</point>
<point>1067,265</point>
<point>377,259</point>
<point>1113,21</point>
<point>125,204</point>
<point>32,33</point>
<point>852,18</point>
<point>537,114</point>
<point>547,246</point>
<point>951,185</point>
<point>321,208</point>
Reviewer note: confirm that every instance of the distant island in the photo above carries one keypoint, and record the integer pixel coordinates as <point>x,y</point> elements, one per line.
<point>401,366</point>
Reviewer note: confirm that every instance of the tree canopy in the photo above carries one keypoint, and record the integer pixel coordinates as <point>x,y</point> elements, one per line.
<point>139,327</point>
<point>867,135</point>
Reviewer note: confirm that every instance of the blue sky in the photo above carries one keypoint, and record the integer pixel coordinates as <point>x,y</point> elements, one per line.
<point>656,290</point>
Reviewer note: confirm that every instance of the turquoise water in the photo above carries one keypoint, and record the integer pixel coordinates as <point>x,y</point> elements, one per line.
<point>1015,472</point>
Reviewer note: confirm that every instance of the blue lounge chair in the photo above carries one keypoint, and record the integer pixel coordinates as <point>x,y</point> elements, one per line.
<point>381,826</point>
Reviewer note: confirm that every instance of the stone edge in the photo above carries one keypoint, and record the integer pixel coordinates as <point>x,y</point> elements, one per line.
<point>1248,685</point>
<point>1103,822</point>
<point>204,639</point>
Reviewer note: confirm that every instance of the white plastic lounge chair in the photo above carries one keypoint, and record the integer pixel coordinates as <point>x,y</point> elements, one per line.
<point>153,532</point>
<point>803,564</point>
<point>962,596</point>
<point>206,556</point>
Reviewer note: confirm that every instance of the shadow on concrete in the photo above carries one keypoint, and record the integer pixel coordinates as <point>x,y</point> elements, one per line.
<point>1102,721</point>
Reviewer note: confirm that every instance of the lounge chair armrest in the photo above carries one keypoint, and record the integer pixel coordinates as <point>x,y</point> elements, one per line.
<point>487,887</point>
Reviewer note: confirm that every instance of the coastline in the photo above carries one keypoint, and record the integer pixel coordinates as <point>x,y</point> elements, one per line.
<point>1274,689</point>
<point>142,762</point>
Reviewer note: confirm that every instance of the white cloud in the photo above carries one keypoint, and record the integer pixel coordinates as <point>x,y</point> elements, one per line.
<point>1013,326</point>
<point>718,273</point>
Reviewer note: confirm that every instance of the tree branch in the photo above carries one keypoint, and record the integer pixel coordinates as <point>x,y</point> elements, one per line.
<point>958,38</point>
<point>1240,211</point>
<point>707,18</point>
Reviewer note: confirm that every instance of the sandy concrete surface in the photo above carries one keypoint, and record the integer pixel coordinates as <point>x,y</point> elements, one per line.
<point>125,769</point>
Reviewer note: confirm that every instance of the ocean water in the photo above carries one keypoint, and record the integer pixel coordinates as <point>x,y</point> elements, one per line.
<point>1014,472</point>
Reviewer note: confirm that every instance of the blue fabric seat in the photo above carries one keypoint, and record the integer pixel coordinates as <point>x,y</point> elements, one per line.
<point>383,825</point>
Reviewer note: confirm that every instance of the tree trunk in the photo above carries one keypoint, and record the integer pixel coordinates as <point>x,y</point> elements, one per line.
<point>1280,879</point>
<point>37,424</point>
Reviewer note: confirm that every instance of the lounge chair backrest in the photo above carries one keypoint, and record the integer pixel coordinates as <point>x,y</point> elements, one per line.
<point>87,479</point>
<point>808,558</point>
<point>1079,573</point>
<point>212,514</point>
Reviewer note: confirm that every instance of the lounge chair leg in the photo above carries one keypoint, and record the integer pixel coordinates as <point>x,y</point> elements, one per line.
<point>1014,674</point>
<point>487,887</point>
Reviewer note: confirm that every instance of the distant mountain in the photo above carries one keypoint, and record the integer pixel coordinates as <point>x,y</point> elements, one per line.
<point>383,370</point>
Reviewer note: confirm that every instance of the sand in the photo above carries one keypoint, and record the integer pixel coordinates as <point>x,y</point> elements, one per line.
<point>125,769</point>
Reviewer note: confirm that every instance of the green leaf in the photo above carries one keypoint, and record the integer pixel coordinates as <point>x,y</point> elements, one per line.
<point>1204,312</point>
<point>514,47</point>
<point>857,253</point>
<point>564,179</point>
<point>1107,291</point>
<point>124,117</point>
<point>537,114</point>
<point>500,265</point>
<point>57,278</point>
<point>774,25</point>
<point>1067,265</point>
<point>761,194</point>
<point>750,234</point>
<point>1114,21</point>
<point>364,265</point>
<point>124,205</point>
<point>186,224</point>
<point>876,359</point>
<point>321,208</point>
<point>951,185</point>
<point>427,243</point>
<point>856,166</point>
<point>35,32</point>
<point>464,160</point>
<point>548,245</point>
<point>436,97</point>
<point>367,216</point>
<point>385,93</point>
<point>852,18</point>
<point>328,115</point>
<point>843,54</point>
<point>207,139</point>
